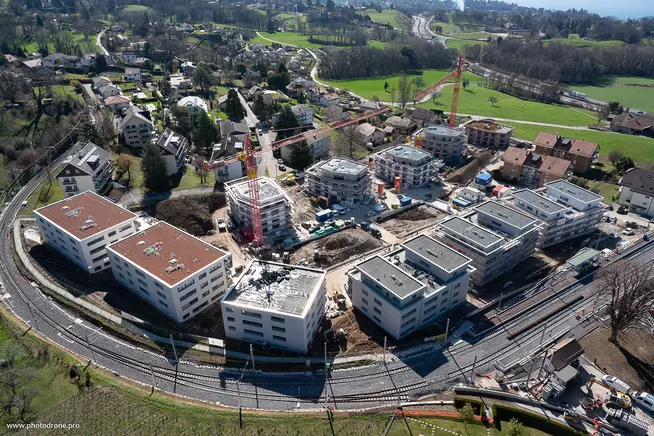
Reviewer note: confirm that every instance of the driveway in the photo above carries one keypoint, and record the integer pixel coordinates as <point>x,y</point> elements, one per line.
<point>250,118</point>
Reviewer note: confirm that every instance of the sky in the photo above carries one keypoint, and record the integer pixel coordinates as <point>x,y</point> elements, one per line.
<point>620,9</point>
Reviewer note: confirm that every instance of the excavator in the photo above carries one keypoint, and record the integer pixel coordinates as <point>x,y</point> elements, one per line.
<point>613,398</point>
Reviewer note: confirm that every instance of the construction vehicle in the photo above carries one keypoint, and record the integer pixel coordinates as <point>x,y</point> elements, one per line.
<point>571,416</point>
<point>590,403</point>
<point>321,201</point>
<point>375,231</point>
<point>613,398</point>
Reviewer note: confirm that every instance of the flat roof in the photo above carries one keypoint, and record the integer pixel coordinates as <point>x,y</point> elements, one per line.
<point>538,201</point>
<point>86,214</point>
<point>166,252</point>
<point>437,253</point>
<point>573,190</point>
<point>489,126</point>
<point>407,152</point>
<point>444,130</point>
<point>505,213</point>
<point>267,189</point>
<point>343,166</point>
<point>394,279</point>
<point>471,231</point>
<point>276,287</point>
<point>584,255</point>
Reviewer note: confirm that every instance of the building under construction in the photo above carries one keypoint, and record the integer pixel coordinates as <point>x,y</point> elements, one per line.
<point>275,207</point>
<point>339,180</point>
<point>275,305</point>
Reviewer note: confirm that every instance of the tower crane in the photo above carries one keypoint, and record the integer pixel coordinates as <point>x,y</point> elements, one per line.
<point>462,64</point>
<point>250,158</point>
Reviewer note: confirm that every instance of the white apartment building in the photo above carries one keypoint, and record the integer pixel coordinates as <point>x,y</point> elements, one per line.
<point>444,142</point>
<point>179,274</point>
<point>276,304</point>
<point>173,149</point>
<point>409,288</point>
<point>411,164</point>
<point>193,104</point>
<point>275,207</point>
<point>339,180</point>
<point>637,191</point>
<point>136,127</point>
<point>579,214</point>
<point>496,237</point>
<point>226,166</point>
<point>81,227</point>
<point>303,113</point>
<point>318,146</point>
<point>90,169</point>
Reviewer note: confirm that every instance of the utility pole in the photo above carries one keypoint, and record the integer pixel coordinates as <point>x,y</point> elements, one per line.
<point>533,361</point>
<point>447,330</point>
<point>472,372</point>
<point>176,363</point>
<point>254,368</point>
<point>172,342</point>
<point>326,375</point>
<point>88,344</point>
<point>384,355</point>
<point>240,406</point>
<point>499,304</point>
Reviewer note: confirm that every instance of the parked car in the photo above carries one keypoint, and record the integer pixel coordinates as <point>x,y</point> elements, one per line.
<point>614,235</point>
<point>370,213</point>
<point>615,383</point>
<point>628,232</point>
<point>281,168</point>
<point>644,400</point>
<point>221,225</point>
<point>614,220</point>
<point>622,210</point>
<point>280,161</point>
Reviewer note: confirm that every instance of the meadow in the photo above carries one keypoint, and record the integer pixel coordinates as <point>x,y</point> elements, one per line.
<point>395,18</point>
<point>619,89</point>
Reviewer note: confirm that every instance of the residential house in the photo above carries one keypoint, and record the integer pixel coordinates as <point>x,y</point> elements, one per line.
<point>173,148</point>
<point>401,126</point>
<point>60,60</point>
<point>11,59</point>
<point>633,124</point>
<point>423,117</point>
<point>446,143</point>
<point>329,99</point>
<point>581,153</point>
<point>533,169</point>
<point>136,127</point>
<point>117,103</point>
<point>487,133</point>
<point>188,68</point>
<point>225,166</point>
<point>33,64</point>
<point>100,81</point>
<point>333,114</point>
<point>128,57</point>
<point>193,104</point>
<point>229,127</point>
<point>637,191</point>
<point>366,133</point>
<point>133,74</point>
<point>318,146</point>
<point>89,170</point>
<point>178,81</point>
<point>412,165</point>
<point>109,90</point>
<point>339,180</point>
<point>303,113</point>
<point>88,60</point>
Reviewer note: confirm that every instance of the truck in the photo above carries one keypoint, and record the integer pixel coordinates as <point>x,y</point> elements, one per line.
<point>375,231</point>
<point>624,420</point>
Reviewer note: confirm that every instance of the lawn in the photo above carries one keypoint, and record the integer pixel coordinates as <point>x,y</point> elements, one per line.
<point>41,197</point>
<point>136,8</point>
<point>474,101</point>
<point>190,179</point>
<point>393,17</point>
<point>578,42</point>
<point>639,148</point>
<point>377,44</point>
<point>619,89</point>
<point>374,86</point>
<point>285,38</point>
<point>460,43</point>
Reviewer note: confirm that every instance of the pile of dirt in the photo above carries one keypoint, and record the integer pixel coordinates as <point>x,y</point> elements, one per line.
<point>192,213</point>
<point>336,248</point>
<point>465,174</point>
<point>418,214</point>
<point>411,220</point>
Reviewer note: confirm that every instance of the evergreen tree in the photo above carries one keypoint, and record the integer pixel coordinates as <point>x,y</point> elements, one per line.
<point>234,109</point>
<point>153,166</point>
<point>205,133</point>
<point>300,155</point>
<point>287,123</point>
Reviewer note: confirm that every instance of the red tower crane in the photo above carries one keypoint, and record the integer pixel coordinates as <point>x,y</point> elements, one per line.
<point>462,64</point>
<point>250,158</point>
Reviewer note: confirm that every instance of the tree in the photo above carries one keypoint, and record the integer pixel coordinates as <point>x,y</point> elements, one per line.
<point>153,166</point>
<point>615,155</point>
<point>234,108</point>
<point>259,107</point>
<point>467,414</point>
<point>515,428</point>
<point>300,155</point>
<point>404,90</point>
<point>615,107</point>
<point>623,164</point>
<point>602,114</point>
<point>205,133</point>
<point>202,78</point>
<point>435,96</point>
<point>202,171</point>
<point>386,86</point>
<point>330,5</point>
<point>465,82</point>
<point>628,288</point>
<point>125,163</point>
<point>100,63</point>
<point>492,100</point>
<point>87,132</point>
<point>287,123</point>
<point>11,85</point>
<point>418,83</point>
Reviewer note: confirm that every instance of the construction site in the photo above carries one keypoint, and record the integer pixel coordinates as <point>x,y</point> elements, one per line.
<point>336,248</point>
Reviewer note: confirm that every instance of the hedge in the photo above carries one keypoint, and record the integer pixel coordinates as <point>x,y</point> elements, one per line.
<point>533,420</point>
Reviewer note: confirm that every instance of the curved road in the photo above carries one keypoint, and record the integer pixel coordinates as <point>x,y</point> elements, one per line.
<point>427,370</point>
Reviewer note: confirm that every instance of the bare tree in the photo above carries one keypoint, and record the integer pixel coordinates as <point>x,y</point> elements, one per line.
<point>345,143</point>
<point>202,171</point>
<point>615,155</point>
<point>11,85</point>
<point>629,290</point>
<point>125,164</point>
<point>404,90</point>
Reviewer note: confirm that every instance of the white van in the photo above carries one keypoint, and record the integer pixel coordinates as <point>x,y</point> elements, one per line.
<point>644,400</point>
<point>616,383</point>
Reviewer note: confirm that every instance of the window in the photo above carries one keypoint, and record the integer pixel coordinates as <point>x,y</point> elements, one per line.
<point>408,314</point>
<point>127,227</point>
<point>163,304</point>
<point>278,329</point>
<point>112,234</point>
<point>161,295</point>
<point>95,250</point>
<point>279,338</point>
<point>190,303</point>
<point>204,285</point>
<point>204,294</point>
<point>229,309</point>
<point>376,319</point>
<point>186,316</point>
<point>277,319</point>
<point>95,241</point>
<point>184,297</point>
<point>364,292</point>
<point>251,314</point>
<point>99,258</point>
<point>377,301</point>
<point>232,328</point>
<point>200,306</point>
<point>252,323</point>
<point>159,285</point>
<point>140,273</point>
<point>364,301</point>
<point>201,276</point>
<point>377,311</point>
<point>253,333</point>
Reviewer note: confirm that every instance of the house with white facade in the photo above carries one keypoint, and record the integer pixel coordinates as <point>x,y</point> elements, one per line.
<point>136,127</point>
<point>90,169</point>
<point>173,148</point>
<point>81,227</point>
<point>177,273</point>
<point>412,165</point>
<point>327,100</point>
<point>303,113</point>
<point>117,103</point>
<point>637,191</point>
<point>193,104</point>
<point>276,305</point>
<point>318,146</point>
<point>100,81</point>
<point>366,133</point>
<point>410,287</point>
<point>109,90</point>
<point>132,74</point>
<point>446,143</point>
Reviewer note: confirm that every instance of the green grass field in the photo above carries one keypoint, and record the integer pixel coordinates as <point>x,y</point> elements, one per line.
<point>136,8</point>
<point>290,38</point>
<point>41,197</point>
<point>637,97</point>
<point>460,43</point>
<point>639,148</point>
<point>395,18</point>
<point>474,101</point>
<point>578,42</point>
<point>374,86</point>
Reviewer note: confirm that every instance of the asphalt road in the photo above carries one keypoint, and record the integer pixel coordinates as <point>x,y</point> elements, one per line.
<point>427,370</point>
